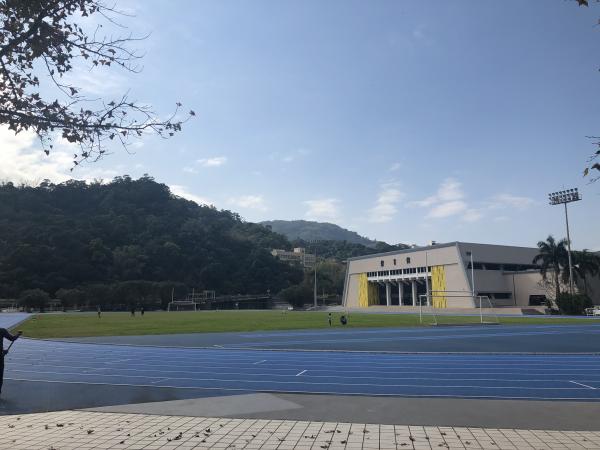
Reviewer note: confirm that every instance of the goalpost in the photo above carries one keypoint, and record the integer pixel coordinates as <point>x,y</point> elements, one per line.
<point>444,308</point>
<point>192,300</point>
<point>186,305</point>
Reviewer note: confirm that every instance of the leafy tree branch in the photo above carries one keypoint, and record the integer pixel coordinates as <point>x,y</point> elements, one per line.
<point>42,35</point>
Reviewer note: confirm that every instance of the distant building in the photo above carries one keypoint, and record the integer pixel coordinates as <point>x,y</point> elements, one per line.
<point>297,256</point>
<point>503,274</point>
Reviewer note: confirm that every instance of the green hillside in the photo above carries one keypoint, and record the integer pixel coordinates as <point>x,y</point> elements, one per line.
<point>104,240</point>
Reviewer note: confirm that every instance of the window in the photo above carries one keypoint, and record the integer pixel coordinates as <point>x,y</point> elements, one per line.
<point>382,263</point>
<point>537,300</point>
<point>408,260</point>
<point>496,295</point>
<point>394,261</point>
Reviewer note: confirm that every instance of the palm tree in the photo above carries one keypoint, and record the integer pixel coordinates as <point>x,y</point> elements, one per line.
<point>552,258</point>
<point>584,263</point>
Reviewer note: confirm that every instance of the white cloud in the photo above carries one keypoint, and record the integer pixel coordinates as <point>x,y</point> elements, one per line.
<point>322,209</point>
<point>386,205</point>
<point>215,161</point>
<point>190,169</point>
<point>290,157</point>
<point>256,202</point>
<point>23,160</point>
<point>447,209</point>
<point>394,167</point>
<point>511,201</point>
<point>472,215</point>
<point>100,83</point>
<point>447,201</point>
<point>182,191</point>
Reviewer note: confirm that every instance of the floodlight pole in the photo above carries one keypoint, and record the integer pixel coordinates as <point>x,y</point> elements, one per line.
<point>569,252</point>
<point>564,197</point>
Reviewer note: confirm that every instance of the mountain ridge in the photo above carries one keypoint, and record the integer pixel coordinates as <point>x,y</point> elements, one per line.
<point>307,230</point>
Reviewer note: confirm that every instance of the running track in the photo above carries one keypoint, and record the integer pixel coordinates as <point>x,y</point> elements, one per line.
<point>508,376</point>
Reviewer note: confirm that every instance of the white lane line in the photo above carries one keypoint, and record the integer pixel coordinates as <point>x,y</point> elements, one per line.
<point>218,346</point>
<point>298,374</point>
<point>581,384</point>
<point>161,380</point>
<point>297,392</point>
<point>259,362</point>
<point>315,391</point>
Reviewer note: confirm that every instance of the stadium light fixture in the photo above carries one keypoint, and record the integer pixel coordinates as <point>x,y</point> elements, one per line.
<point>563,198</point>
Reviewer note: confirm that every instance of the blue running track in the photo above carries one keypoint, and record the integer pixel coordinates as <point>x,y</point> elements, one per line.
<point>508,376</point>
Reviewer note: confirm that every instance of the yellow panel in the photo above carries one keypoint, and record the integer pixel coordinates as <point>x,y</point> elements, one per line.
<point>373,294</point>
<point>363,291</point>
<point>438,285</point>
<point>368,293</point>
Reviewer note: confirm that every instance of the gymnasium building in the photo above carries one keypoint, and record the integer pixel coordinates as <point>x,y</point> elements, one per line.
<point>503,274</point>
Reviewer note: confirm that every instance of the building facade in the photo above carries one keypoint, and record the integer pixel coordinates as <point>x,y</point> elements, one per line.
<point>297,256</point>
<point>503,274</point>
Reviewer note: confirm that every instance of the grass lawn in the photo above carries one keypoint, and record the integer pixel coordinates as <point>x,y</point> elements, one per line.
<point>121,324</point>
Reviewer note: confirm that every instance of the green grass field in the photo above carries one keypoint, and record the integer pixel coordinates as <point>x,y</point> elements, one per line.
<point>121,324</point>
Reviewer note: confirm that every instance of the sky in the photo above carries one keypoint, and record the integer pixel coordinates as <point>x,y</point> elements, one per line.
<point>406,121</point>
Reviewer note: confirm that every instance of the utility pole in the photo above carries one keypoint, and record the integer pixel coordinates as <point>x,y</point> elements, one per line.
<point>429,296</point>
<point>564,197</point>
<point>315,292</point>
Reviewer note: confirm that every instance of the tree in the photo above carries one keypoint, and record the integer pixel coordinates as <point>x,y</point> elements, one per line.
<point>34,298</point>
<point>593,164</point>
<point>552,258</point>
<point>573,304</point>
<point>584,263</point>
<point>92,237</point>
<point>70,297</point>
<point>297,295</point>
<point>38,36</point>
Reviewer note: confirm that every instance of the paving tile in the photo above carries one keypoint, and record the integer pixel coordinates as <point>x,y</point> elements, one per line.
<point>82,430</point>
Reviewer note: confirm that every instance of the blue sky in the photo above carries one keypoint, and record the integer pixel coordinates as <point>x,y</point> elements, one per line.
<point>406,121</point>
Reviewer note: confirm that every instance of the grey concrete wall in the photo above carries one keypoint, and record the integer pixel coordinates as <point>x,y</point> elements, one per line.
<point>498,253</point>
<point>525,284</point>
<point>456,278</point>
<point>351,291</point>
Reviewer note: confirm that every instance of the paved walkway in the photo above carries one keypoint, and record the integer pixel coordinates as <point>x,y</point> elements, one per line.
<point>91,430</point>
<point>8,320</point>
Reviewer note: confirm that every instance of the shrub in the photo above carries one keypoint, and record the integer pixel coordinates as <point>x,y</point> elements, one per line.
<point>573,304</point>
<point>297,295</point>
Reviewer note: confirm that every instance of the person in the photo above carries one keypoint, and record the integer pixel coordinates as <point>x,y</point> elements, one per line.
<point>142,311</point>
<point>4,334</point>
<point>133,311</point>
<point>99,311</point>
<point>329,318</point>
<point>343,320</point>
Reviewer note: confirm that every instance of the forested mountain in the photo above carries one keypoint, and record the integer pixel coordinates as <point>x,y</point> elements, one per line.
<point>341,250</point>
<point>81,235</point>
<point>309,231</point>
